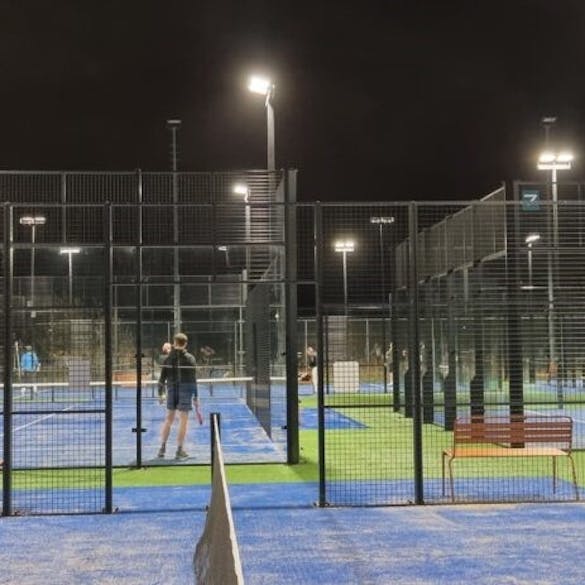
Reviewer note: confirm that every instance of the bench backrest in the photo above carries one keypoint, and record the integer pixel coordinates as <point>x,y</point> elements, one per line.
<point>527,429</point>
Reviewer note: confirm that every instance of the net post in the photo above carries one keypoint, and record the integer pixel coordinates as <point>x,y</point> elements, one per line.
<point>213,417</point>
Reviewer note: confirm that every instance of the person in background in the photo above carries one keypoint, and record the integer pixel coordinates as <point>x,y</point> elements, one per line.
<point>312,365</point>
<point>29,366</point>
<point>178,373</point>
<point>207,354</point>
<point>164,352</point>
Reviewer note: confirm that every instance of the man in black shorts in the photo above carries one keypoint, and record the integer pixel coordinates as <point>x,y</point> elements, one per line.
<point>178,372</point>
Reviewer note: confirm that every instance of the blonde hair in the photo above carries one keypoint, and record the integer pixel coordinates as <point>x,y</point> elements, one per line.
<point>181,339</point>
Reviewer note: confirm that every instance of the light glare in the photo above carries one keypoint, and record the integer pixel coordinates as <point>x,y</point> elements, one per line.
<point>259,85</point>
<point>565,157</point>
<point>344,246</point>
<point>531,238</point>
<point>240,189</point>
<point>382,219</point>
<point>547,157</point>
<point>33,220</point>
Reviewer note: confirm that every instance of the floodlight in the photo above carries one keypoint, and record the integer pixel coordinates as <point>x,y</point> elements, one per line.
<point>382,220</point>
<point>241,189</point>
<point>344,246</point>
<point>547,157</point>
<point>33,220</point>
<point>565,157</point>
<point>531,238</point>
<point>261,85</point>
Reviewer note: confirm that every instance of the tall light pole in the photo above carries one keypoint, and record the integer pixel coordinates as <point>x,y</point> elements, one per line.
<point>70,252</point>
<point>344,247</point>
<point>226,251</point>
<point>553,161</point>
<point>174,125</point>
<point>32,221</point>
<point>244,191</point>
<point>530,240</point>
<point>265,87</point>
<point>382,221</point>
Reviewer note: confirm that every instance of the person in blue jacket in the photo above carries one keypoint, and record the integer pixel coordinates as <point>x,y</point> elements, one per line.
<point>29,366</point>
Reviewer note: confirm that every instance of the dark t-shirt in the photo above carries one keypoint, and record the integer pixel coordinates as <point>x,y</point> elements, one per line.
<point>178,368</point>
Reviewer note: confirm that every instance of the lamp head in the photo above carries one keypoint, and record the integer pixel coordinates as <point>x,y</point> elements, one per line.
<point>260,85</point>
<point>344,246</point>
<point>531,238</point>
<point>33,220</point>
<point>382,220</point>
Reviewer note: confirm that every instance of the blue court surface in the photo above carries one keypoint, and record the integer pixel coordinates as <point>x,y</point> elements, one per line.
<point>334,420</point>
<point>285,540</point>
<point>47,422</point>
<point>45,428</point>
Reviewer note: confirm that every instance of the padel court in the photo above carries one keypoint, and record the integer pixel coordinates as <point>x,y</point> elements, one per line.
<point>285,539</point>
<point>418,316</point>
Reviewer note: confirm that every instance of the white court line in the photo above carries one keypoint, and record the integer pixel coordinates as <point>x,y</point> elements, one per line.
<point>556,413</point>
<point>34,422</point>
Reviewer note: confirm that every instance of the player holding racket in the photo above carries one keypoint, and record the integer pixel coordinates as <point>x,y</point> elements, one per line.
<point>178,373</point>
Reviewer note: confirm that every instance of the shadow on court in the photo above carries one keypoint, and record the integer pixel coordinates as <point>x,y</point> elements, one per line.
<point>285,540</point>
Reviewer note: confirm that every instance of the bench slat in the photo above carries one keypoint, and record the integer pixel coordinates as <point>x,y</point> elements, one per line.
<point>491,451</point>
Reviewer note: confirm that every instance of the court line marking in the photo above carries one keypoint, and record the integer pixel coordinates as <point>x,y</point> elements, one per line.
<point>34,422</point>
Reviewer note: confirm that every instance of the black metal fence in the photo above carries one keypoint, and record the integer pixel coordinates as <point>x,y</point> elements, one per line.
<point>99,270</point>
<point>479,316</point>
<point>424,316</point>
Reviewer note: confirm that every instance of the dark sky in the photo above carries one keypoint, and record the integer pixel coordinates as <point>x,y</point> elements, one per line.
<point>375,100</point>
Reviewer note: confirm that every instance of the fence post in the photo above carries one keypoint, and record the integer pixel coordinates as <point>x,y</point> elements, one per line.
<point>414,353</point>
<point>139,354</point>
<point>476,385</point>
<point>318,251</point>
<point>108,266</point>
<point>514,357</point>
<point>7,417</point>
<point>292,383</point>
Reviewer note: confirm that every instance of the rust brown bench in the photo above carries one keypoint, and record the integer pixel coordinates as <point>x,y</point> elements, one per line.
<point>521,436</point>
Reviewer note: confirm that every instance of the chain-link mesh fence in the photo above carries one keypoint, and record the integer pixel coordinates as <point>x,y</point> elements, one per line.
<point>420,322</point>
<point>100,270</point>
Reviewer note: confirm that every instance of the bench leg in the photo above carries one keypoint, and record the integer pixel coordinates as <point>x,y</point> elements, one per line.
<point>574,473</point>
<point>451,482</point>
<point>443,473</point>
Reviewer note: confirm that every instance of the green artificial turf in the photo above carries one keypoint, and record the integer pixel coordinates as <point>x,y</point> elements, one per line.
<point>383,449</point>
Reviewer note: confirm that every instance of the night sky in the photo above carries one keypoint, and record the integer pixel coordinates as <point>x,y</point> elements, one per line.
<point>391,100</point>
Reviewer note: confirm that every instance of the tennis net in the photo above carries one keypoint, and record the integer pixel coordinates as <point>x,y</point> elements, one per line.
<point>217,558</point>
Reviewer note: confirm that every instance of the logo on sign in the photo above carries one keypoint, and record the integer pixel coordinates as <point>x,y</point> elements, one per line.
<point>530,199</point>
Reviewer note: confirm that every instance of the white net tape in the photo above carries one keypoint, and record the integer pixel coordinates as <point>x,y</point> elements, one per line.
<point>217,559</point>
